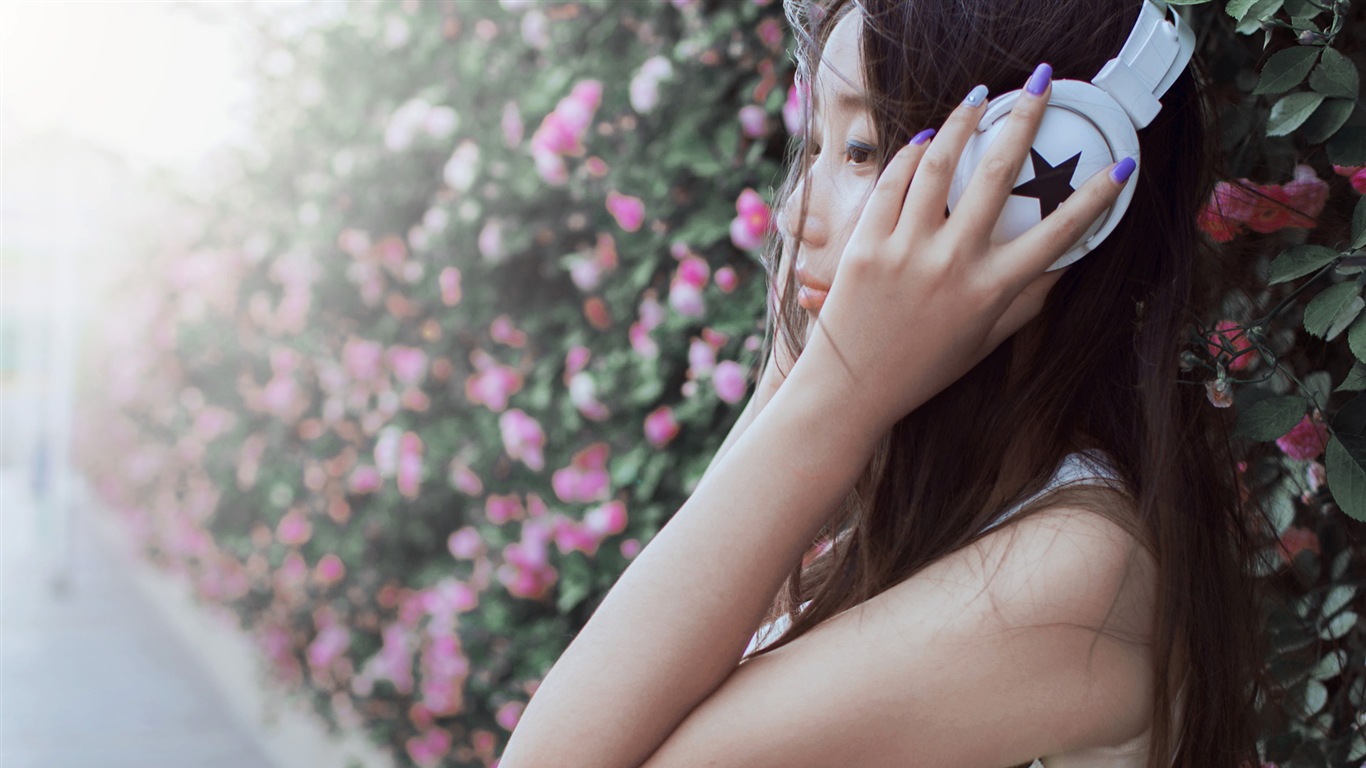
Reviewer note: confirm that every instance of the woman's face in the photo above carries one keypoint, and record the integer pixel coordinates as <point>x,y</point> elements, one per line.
<point>844,167</point>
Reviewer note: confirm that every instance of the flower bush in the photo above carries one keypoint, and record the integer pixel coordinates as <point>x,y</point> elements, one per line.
<point>481,300</point>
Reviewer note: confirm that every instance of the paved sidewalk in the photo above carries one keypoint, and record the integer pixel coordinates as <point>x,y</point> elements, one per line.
<point>92,677</point>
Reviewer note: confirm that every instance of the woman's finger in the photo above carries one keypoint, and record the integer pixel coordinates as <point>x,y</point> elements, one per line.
<point>928,195</point>
<point>1019,260</point>
<point>883,209</point>
<point>980,206</point>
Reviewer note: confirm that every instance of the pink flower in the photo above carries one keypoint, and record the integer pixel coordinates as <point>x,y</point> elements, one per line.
<point>1357,173</point>
<point>1264,208</point>
<point>701,358</point>
<point>630,548</point>
<point>331,642</point>
<point>526,571</point>
<point>503,331</point>
<point>753,121</point>
<point>500,509</point>
<point>693,270</point>
<point>643,89</point>
<point>491,242</point>
<point>729,380</point>
<point>362,359</point>
<point>409,464</point>
<point>686,299</point>
<point>641,341</point>
<point>607,520</point>
<point>770,31</point>
<point>463,479</point>
<point>726,280</point>
<point>747,229</point>
<point>465,543</point>
<point>508,715</point>
<point>492,384</point>
<point>575,360</point>
<point>364,479</point>
<point>1306,441</point>
<point>661,426</point>
<point>793,108</point>
<point>329,570</point>
<point>428,749</point>
<point>522,438</point>
<point>586,478</point>
<point>583,395</point>
<point>408,364</point>
<point>628,211</point>
<point>1243,356</point>
<point>651,311</point>
<point>294,528</point>
<point>449,280</point>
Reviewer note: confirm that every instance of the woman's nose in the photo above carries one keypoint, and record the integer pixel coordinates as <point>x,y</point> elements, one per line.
<point>815,232</point>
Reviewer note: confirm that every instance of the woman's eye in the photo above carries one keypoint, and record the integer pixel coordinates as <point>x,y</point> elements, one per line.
<point>860,153</point>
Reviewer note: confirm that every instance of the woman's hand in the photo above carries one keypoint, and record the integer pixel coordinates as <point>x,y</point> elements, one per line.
<point>919,298</point>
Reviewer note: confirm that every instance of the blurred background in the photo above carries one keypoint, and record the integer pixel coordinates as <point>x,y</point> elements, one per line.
<point>351,350</point>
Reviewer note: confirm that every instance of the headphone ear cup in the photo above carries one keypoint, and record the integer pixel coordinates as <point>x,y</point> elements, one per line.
<point>1082,133</point>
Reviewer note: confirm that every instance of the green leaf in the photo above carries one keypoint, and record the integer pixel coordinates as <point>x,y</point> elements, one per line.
<point>1339,625</point>
<point>1324,308</point>
<point>1356,340</point>
<point>1348,146</point>
<point>1346,480</point>
<point>1291,111</point>
<point>1356,378</point>
<point>1270,418</point>
<point>1327,119</point>
<point>1239,8</point>
<point>1252,18</point>
<point>1345,317</point>
<point>1299,261</point>
<point>1330,666</point>
<point>1287,69</point>
<point>1336,75</point>
<point>1359,224</point>
<point>1337,598</point>
<point>1315,697</point>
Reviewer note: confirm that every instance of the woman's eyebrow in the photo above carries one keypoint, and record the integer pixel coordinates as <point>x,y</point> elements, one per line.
<point>854,101</point>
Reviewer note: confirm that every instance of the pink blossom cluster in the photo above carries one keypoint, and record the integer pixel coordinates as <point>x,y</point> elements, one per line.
<point>561,132</point>
<point>1356,174</point>
<point>1264,208</point>
<point>685,290</point>
<point>753,221</point>
<point>1306,441</point>
<point>1228,334</point>
<point>492,383</point>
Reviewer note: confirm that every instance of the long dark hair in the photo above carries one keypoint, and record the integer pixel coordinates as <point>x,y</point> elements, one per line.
<point>1104,374</point>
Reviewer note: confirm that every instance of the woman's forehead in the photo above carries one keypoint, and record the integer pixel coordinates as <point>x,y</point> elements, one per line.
<point>839,69</point>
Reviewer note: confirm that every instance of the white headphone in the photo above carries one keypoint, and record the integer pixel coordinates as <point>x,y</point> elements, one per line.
<point>1086,127</point>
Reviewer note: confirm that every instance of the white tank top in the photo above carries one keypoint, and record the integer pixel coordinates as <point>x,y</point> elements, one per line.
<point>1084,468</point>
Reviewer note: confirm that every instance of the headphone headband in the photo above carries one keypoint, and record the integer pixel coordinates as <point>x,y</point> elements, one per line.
<point>1152,58</point>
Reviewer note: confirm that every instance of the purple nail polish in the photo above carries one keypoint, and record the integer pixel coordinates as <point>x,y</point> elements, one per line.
<point>1038,82</point>
<point>923,136</point>
<point>1123,170</point>
<point>976,96</point>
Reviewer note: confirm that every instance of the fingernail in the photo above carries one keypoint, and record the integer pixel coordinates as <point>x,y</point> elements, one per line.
<point>1038,82</point>
<point>923,136</point>
<point>976,96</point>
<point>1123,170</point>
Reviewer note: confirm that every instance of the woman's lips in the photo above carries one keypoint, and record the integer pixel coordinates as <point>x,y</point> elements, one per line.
<point>812,294</point>
<point>811,299</point>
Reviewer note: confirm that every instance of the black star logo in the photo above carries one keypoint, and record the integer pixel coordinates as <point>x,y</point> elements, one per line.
<point>1052,184</point>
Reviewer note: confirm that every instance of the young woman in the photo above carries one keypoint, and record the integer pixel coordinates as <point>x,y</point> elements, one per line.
<point>1031,544</point>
